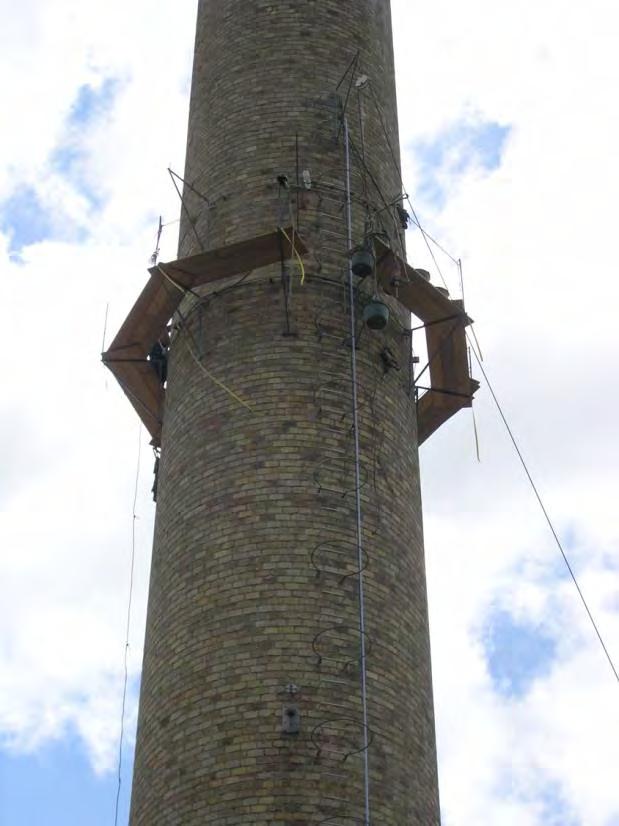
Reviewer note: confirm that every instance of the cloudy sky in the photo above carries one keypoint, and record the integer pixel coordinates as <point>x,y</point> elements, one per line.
<point>509,132</point>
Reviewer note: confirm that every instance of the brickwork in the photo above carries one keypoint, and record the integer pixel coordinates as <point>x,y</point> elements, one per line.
<point>254,576</point>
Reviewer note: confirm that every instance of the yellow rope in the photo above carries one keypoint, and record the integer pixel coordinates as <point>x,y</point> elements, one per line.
<point>294,249</point>
<point>195,357</point>
<point>216,380</point>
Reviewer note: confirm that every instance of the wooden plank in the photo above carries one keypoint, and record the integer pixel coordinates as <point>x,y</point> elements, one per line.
<point>147,318</point>
<point>417,295</point>
<point>233,259</point>
<point>142,380</point>
<point>142,387</point>
<point>159,299</point>
<point>451,387</point>
<point>448,355</point>
<point>433,410</point>
<point>460,359</point>
<point>449,373</point>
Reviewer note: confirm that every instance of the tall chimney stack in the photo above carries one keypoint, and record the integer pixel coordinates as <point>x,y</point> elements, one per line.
<point>287,675</point>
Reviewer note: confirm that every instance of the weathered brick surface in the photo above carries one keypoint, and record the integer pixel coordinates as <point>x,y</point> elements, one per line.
<point>254,576</point>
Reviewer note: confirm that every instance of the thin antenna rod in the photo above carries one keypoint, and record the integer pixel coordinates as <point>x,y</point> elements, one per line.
<point>355,415</point>
<point>107,310</point>
<point>128,630</point>
<point>296,152</point>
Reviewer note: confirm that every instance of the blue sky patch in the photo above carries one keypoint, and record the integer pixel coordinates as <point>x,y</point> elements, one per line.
<point>517,653</point>
<point>69,158</point>
<point>462,146</point>
<point>539,791</point>
<point>92,102</point>
<point>25,219</point>
<point>555,811</point>
<point>57,787</point>
<point>22,216</point>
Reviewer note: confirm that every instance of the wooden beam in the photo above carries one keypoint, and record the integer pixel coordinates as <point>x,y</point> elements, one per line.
<point>451,387</point>
<point>419,296</point>
<point>147,319</point>
<point>145,392</point>
<point>127,355</point>
<point>448,355</point>
<point>434,408</point>
<point>233,259</point>
<point>159,299</point>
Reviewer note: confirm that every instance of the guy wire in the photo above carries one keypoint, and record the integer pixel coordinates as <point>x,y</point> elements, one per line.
<point>190,187</point>
<point>186,210</point>
<point>362,137</point>
<point>380,194</point>
<point>472,328</point>
<point>406,196</point>
<point>427,234</point>
<point>351,68</point>
<point>545,512</point>
<point>386,134</point>
<point>476,350</point>
<point>430,250</point>
<point>128,627</point>
<point>479,359</point>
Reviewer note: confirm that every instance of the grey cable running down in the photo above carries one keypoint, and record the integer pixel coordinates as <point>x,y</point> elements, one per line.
<point>355,412</point>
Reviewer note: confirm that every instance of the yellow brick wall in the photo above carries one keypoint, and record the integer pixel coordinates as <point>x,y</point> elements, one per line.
<point>254,577</point>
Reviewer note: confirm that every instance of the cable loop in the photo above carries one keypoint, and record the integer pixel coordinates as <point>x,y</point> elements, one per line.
<point>337,743</point>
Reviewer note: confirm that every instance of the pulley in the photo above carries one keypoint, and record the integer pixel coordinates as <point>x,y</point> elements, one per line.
<point>376,314</point>
<point>362,262</point>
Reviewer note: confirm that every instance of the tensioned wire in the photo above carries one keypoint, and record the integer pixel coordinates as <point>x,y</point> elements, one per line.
<point>474,346</point>
<point>476,350</point>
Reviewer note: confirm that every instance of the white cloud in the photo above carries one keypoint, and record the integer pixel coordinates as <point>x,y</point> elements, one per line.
<point>67,432</point>
<point>536,236</point>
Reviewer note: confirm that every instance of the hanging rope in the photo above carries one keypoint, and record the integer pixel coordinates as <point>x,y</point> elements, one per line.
<point>295,252</point>
<point>214,379</point>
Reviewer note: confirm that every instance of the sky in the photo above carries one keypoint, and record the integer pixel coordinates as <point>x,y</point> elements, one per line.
<point>509,129</point>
